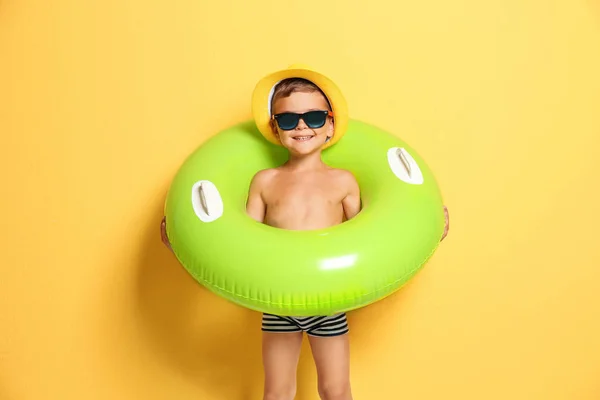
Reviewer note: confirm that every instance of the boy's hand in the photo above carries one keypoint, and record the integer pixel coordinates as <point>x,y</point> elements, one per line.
<point>163,233</point>
<point>447,227</point>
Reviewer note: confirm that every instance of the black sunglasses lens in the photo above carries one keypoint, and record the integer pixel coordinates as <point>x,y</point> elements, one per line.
<point>315,119</point>
<point>288,121</point>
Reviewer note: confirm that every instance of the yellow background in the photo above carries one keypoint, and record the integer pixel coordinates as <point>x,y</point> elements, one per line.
<point>101,101</point>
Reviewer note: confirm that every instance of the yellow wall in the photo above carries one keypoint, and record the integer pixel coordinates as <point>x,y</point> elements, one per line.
<point>101,101</point>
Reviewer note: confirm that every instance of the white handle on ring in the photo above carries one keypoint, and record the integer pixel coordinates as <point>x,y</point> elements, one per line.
<point>404,166</point>
<point>203,199</point>
<point>405,162</point>
<point>207,201</point>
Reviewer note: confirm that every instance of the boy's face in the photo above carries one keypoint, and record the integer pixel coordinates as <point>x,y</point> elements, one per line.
<point>302,139</point>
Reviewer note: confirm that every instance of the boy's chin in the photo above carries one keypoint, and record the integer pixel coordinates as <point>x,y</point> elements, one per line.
<point>303,149</point>
<point>309,145</point>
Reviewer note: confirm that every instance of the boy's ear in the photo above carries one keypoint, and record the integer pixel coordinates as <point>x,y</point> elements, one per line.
<point>330,129</point>
<point>272,123</point>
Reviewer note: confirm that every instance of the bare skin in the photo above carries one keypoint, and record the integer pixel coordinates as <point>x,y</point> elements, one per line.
<point>312,197</point>
<point>303,194</point>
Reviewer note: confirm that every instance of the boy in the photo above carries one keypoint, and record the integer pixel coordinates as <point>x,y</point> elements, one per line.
<point>304,194</point>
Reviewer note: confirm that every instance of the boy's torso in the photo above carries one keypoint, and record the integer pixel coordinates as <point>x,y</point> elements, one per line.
<point>304,200</point>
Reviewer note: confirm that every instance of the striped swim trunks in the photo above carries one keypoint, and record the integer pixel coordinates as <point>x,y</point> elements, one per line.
<point>321,326</point>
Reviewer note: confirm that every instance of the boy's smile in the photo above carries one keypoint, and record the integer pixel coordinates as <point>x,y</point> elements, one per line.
<point>303,138</point>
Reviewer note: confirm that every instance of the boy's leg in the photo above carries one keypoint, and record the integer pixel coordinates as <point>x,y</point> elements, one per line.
<point>281,346</point>
<point>331,351</point>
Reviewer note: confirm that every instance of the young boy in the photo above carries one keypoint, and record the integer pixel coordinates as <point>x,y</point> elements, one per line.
<point>304,194</point>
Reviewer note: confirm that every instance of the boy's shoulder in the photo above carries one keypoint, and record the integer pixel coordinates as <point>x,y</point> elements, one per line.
<point>342,174</point>
<point>263,176</point>
<point>265,173</point>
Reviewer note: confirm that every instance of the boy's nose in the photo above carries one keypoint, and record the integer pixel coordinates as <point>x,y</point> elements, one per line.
<point>301,124</point>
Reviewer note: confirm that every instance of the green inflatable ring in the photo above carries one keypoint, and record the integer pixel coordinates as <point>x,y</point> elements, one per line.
<point>303,273</point>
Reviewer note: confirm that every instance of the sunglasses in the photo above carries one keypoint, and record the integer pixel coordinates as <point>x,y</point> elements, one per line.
<point>312,119</point>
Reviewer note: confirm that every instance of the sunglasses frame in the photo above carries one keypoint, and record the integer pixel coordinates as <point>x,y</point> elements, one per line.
<point>301,116</point>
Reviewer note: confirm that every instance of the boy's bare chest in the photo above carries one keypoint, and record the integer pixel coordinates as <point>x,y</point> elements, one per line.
<point>289,189</point>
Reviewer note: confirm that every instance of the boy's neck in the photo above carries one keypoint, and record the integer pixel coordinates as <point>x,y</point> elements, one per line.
<point>305,162</point>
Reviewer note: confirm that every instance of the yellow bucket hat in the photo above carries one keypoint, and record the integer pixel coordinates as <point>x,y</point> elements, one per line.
<point>263,92</point>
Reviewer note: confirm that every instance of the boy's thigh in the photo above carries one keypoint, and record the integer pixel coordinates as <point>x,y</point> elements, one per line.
<point>332,359</point>
<point>281,352</point>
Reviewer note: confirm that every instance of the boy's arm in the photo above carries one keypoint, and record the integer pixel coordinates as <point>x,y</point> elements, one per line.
<point>351,203</point>
<point>255,206</point>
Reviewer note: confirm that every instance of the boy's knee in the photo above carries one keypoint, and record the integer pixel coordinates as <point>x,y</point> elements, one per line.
<point>281,393</point>
<point>335,392</point>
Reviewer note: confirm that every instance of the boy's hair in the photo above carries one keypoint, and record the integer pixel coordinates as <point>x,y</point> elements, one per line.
<point>291,85</point>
